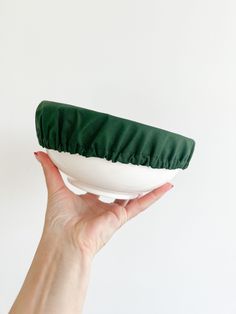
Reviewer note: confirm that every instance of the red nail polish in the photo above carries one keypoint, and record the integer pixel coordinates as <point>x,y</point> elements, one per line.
<point>170,186</point>
<point>36,155</point>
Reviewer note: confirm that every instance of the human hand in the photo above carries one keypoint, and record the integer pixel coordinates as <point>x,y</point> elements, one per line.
<point>85,222</point>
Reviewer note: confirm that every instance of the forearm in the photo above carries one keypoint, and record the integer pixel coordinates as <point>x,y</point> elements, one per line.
<point>56,282</point>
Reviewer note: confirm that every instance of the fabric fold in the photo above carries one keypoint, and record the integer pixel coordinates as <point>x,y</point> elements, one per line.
<point>90,133</point>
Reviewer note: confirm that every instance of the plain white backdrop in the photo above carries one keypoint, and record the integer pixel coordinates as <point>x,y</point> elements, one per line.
<point>170,64</point>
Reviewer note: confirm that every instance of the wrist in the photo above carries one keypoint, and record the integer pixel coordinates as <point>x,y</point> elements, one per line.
<point>61,245</point>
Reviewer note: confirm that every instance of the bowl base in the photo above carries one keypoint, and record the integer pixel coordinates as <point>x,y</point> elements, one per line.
<point>102,192</point>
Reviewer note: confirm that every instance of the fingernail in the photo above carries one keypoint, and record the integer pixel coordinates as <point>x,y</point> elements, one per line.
<point>36,155</point>
<point>170,186</point>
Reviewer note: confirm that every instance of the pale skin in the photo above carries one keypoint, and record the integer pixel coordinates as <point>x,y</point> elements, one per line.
<point>76,227</point>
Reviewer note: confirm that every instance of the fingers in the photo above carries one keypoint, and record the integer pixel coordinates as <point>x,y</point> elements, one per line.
<point>121,202</point>
<point>138,204</point>
<point>52,175</point>
<point>91,195</point>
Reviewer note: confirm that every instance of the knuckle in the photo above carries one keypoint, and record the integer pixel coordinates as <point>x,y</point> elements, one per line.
<point>120,214</point>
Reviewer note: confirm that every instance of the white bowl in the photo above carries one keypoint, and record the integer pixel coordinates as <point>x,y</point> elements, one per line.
<point>107,178</point>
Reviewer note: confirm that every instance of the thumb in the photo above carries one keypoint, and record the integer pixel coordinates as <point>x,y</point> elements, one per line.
<point>52,175</point>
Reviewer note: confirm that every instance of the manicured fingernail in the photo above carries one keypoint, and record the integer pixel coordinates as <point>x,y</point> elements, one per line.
<point>36,155</point>
<point>170,186</point>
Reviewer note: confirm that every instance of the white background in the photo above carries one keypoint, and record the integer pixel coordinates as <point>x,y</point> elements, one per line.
<point>171,64</point>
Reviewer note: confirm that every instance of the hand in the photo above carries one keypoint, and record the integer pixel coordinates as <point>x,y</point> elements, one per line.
<point>76,228</point>
<point>86,222</point>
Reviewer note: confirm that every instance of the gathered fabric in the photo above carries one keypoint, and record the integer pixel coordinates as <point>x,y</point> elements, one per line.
<point>90,133</point>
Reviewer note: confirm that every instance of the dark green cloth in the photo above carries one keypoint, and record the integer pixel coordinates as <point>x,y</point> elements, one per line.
<point>90,133</point>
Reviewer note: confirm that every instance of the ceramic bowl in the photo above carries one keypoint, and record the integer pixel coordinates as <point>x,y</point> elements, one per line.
<point>107,178</point>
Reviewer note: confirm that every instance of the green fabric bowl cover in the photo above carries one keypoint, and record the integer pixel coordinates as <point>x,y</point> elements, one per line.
<point>68,128</point>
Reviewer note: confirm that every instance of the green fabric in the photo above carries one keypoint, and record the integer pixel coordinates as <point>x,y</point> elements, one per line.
<point>90,133</point>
